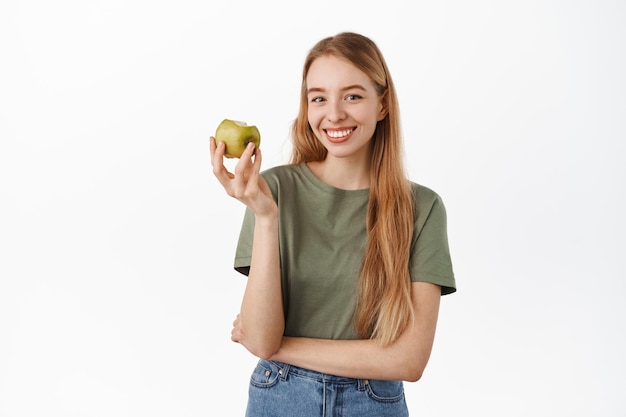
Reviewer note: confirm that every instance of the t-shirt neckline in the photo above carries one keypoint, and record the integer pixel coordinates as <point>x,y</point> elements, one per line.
<point>306,171</point>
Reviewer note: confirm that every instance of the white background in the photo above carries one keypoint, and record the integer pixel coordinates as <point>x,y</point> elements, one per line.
<point>117,291</point>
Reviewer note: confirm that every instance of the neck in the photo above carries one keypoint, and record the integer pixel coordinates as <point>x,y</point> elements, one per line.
<point>342,173</point>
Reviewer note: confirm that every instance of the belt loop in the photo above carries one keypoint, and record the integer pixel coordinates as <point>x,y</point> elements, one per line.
<point>284,371</point>
<point>361,384</point>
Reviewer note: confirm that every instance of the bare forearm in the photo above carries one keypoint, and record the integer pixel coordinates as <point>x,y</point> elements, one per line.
<point>405,359</point>
<point>262,317</point>
<point>355,358</point>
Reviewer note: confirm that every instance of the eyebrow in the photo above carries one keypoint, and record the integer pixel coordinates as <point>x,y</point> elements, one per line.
<point>349,87</point>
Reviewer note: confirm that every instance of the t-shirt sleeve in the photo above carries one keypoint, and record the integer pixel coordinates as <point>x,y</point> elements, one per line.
<point>243,253</point>
<point>430,255</point>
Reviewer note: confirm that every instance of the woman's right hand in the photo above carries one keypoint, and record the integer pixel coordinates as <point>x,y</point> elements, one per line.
<point>246,184</point>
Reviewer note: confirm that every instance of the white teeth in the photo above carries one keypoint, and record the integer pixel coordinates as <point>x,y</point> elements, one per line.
<point>338,133</point>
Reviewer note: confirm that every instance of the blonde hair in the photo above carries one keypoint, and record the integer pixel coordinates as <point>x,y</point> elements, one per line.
<point>384,306</point>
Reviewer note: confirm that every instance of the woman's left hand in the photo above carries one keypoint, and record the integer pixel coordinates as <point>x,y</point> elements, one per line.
<point>236,335</point>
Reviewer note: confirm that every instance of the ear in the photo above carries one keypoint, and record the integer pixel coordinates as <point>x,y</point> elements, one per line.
<point>384,107</point>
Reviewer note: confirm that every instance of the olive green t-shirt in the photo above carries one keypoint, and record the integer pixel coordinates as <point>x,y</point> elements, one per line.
<point>322,237</point>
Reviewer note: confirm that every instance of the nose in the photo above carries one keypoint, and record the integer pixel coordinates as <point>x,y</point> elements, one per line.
<point>336,111</point>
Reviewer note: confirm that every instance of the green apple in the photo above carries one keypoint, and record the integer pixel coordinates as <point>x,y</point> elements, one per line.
<point>236,135</point>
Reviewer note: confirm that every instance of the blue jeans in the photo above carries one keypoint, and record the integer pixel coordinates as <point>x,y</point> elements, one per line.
<point>281,390</point>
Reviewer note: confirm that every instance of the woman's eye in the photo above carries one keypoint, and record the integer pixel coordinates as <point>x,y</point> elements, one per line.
<point>352,97</point>
<point>317,99</point>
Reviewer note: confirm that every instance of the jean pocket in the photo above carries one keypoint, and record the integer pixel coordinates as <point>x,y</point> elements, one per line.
<point>265,374</point>
<point>385,391</point>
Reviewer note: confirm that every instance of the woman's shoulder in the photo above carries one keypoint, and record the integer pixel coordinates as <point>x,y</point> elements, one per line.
<point>281,173</point>
<point>423,192</point>
<point>282,170</point>
<point>285,176</point>
<point>425,198</point>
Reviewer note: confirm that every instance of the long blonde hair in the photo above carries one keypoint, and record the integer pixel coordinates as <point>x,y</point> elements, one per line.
<point>384,306</point>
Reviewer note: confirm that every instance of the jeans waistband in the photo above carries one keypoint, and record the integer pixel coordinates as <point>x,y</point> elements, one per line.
<point>286,369</point>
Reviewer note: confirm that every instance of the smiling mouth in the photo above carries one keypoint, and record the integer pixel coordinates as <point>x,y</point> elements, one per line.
<point>339,135</point>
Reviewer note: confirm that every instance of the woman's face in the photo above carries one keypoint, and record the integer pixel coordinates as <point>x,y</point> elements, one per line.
<point>343,107</point>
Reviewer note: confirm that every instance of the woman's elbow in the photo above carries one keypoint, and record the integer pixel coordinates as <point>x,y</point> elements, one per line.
<point>264,349</point>
<point>413,375</point>
<point>411,370</point>
<point>261,342</point>
<point>266,354</point>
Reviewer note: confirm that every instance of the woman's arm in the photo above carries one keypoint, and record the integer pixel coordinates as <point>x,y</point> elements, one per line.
<point>261,322</point>
<point>404,360</point>
<point>261,317</point>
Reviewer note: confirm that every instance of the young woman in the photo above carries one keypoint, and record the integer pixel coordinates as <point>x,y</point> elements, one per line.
<point>346,258</point>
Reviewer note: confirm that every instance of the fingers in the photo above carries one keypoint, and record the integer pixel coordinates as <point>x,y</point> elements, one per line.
<point>245,160</point>
<point>213,145</point>
<point>249,151</point>
<point>217,161</point>
<point>235,334</point>
<point>256,171</point>
<point>217,155</point>
<point>245,182</point>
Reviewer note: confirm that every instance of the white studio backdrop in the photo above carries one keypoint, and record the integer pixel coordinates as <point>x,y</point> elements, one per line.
<point>117,291</point>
